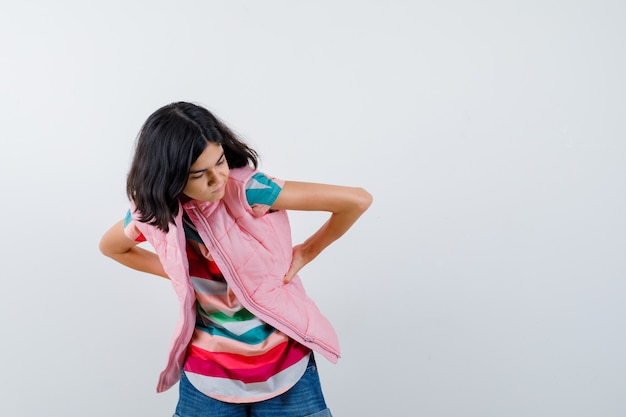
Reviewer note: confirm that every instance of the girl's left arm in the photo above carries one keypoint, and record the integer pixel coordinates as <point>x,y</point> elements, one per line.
<point>346,204</point>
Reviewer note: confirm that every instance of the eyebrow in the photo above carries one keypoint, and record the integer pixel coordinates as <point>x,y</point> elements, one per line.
<point>204,169</point>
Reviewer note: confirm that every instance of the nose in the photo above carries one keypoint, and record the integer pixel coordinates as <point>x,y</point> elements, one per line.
<point>212,176</point>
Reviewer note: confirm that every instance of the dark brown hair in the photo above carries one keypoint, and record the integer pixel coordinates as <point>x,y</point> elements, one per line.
<point>168,144</point>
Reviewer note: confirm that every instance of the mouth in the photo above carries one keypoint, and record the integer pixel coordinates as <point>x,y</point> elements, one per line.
<point>219,189</point>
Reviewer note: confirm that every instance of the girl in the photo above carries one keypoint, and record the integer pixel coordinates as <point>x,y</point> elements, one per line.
<point>244,341</point>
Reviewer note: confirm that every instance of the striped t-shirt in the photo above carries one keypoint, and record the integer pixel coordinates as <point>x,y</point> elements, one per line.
<point>233,356</point>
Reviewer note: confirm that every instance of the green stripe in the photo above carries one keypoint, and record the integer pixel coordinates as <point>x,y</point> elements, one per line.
<point>251,337</point>
<point>128,218</point>
<point>266,194</point>
<point>221,318</point>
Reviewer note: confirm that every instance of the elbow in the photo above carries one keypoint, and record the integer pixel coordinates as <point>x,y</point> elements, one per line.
<point>109,249</point>
<point>364,200</point>
<point>114,243</point>
<point>105,249</point>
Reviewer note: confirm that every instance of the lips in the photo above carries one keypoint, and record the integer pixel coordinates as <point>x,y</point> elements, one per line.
<point>219,190</point>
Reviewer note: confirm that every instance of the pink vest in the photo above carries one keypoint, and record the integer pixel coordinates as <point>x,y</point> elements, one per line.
<point>253,253</point>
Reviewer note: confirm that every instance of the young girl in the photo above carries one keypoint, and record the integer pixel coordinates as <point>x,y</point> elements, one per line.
<point>244,341</point>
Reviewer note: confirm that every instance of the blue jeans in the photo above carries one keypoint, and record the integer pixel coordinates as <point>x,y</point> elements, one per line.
<point>305,399</point>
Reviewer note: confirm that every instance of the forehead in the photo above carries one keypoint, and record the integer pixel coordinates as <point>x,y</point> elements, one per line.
<point>209,157</point>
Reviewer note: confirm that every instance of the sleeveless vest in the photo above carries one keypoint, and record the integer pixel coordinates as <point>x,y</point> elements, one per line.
<point>253,254</point>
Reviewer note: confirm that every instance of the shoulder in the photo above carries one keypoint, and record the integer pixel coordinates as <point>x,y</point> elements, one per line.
<point>131,230</point>
<point>262,189</point>
<point>242,174</point>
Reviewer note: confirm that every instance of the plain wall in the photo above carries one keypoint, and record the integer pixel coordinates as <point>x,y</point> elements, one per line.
<point>488,277</point>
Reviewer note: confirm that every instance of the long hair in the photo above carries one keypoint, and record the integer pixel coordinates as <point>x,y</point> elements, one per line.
<point>168,144</point>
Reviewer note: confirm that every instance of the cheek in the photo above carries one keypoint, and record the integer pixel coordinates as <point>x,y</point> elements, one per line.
<point>190,187</point>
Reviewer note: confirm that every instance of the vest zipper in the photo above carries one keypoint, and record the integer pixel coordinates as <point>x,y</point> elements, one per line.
<point>235,277</point>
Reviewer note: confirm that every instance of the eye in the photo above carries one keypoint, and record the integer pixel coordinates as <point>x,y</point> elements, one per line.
<point>196,176</point>
<point>221,160</point>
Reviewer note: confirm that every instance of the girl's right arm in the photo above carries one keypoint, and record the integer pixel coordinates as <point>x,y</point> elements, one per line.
<point>116,245</point>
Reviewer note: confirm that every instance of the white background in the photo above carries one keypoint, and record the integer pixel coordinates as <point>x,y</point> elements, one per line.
<point>488,277</point>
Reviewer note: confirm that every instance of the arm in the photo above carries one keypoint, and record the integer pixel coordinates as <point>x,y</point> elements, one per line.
<point>116,245</point>
<point>346,204</point>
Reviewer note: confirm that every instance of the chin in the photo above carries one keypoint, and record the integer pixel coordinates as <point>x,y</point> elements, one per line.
<point>215,198</point>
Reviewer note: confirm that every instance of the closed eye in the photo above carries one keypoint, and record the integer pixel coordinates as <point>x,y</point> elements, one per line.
<point>200,173</point>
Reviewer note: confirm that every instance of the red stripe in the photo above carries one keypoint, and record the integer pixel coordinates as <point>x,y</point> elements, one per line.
<point>247,369</point>
<point>198,265</point>
<point>239,360</point>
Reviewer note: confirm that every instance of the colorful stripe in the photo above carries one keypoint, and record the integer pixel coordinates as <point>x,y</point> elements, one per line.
<point>251,333</point>
<point>130,230</point>
<point>219,343</point>
<point>262,190</point>
<point>247,369</point>
<point>232,390</point>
